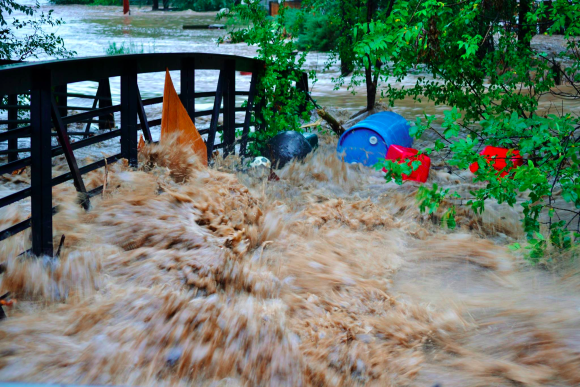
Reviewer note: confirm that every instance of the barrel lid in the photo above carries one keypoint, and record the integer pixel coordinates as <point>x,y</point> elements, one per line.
<point>368,141</point>
<point>362,145</point>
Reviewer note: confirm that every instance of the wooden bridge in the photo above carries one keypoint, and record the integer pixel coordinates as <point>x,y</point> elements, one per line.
<point>46,83</point>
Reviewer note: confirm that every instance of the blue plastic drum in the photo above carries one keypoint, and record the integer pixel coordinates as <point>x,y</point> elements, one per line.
<point>368,141</point>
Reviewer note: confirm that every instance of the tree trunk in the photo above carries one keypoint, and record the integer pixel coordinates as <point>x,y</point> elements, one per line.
<point>371,87</point>
<point>371,84</point>
<point>155,5</point>
<point>345,49</point>
<point>545,20</point>
<point>332,122</point>
<point>524,28</point>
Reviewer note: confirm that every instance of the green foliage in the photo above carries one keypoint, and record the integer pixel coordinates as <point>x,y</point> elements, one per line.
<point>15,46</point>
<point>493,82</point>
<point>127,48</point>
<point>281,103</point>
<point>315,31</point>
<point>345,15</point>
<point>396,169</point>
<point>203,5</point>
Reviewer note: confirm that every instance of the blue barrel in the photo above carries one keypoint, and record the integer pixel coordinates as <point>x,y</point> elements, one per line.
<point>368,141</point>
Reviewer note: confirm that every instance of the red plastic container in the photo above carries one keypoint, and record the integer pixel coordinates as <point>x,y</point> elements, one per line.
<point>400,154</point>
<point>497,157</point>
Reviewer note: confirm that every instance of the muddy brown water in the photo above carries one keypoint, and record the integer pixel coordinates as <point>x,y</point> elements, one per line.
<point>183,275</point>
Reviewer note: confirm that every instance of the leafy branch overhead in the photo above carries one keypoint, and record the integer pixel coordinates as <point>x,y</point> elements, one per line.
<point>36,42</point>
<point>494,83</point>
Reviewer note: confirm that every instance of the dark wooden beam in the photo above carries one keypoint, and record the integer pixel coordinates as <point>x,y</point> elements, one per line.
<point>215,115</point>
<point>41,184</point>
<point>12,116</point>
<point>129,107</point>
<point>69,155</point>
<point>248,118</point>
<point>229,108</point>
<point>188,86</point>
<point>143,118</point>
<point>105,100</point>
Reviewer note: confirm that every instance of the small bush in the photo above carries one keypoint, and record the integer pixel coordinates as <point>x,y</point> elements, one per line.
<point>314,31</point>
<point>127,48</point>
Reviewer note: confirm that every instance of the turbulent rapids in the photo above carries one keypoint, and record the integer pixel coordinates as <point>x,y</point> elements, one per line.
<point>183,275</point>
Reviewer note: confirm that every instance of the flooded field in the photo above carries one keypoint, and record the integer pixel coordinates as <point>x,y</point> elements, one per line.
<point>182,275</point>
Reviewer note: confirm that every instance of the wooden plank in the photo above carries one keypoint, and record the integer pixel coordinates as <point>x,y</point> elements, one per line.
<point>69,155</point>
<point>188,86</point>
<point>215,115</point>
<point>129,107</point>
<point>105,100</point>
<point>229,116</point>
<point>41,195</point>
<point>15,229</point>
<point>247,119</point>
<point>144,126</point>
<point>88,127</point>
<point>204,26</point>
<point>62,99</point>
<point>12,116</point>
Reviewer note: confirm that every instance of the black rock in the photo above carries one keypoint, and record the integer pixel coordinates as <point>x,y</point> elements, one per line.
<point>287,146</point>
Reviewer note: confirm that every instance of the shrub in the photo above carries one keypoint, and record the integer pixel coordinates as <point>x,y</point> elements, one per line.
<point>315,31</point>
<point>126,48</point>
<point>277,95</point>
<point>493,82</point>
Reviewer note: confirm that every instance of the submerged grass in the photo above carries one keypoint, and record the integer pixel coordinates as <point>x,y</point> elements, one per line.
<point>128,48</point>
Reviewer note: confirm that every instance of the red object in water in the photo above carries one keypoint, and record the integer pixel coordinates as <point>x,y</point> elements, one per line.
<point>125,7</point>
<point>497,157</point>
<point>400,154</point>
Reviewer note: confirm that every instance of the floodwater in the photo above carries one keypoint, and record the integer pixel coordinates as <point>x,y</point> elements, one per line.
<point>89,30</point>
<point>182,275</point>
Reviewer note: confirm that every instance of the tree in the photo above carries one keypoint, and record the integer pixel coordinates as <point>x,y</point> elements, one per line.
<point>492,81</point>
<point>346,14</point>
<point>39,42</point>
<point>281,106</point>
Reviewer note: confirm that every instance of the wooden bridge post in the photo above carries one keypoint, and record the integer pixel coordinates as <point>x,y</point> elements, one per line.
<point>229,136</point>
<point>188,86</point>
<point>61,99</point>
<point>12,124</point>
<point>106,121</point>
<point>129,106</point>
<point>41,163</point>
<point>249,111</point>
<point>217,103</point>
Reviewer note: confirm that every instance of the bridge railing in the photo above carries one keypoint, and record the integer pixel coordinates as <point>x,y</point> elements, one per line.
<point>46,84</point>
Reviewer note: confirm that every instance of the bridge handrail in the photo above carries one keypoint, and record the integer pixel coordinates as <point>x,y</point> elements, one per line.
<point>46,81</point>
